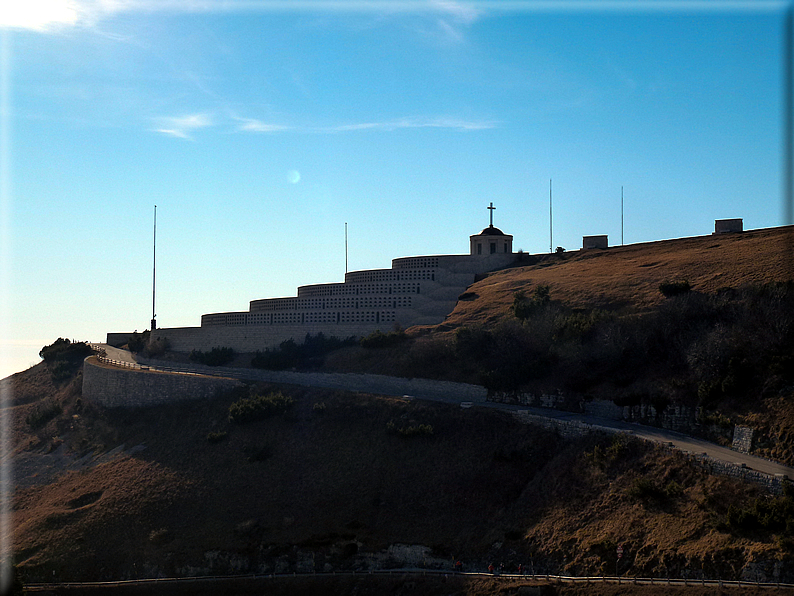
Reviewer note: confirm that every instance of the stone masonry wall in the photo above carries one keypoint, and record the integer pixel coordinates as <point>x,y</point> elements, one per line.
<point>743,438</point>
<point>118,387</point>
<point>673,417</point>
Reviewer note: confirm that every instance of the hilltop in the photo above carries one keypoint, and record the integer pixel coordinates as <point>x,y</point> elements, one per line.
<point>347,481</point>
<point>626,278</point>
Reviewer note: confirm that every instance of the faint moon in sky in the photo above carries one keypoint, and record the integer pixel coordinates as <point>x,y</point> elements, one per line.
<point>294,176</point>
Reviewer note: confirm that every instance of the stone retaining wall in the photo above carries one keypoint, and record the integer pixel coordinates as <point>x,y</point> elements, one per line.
<point>772,483</point>
<point>568,429</point>
<point>119,387</point>
<point>674,417</point>
<point>743,438</point>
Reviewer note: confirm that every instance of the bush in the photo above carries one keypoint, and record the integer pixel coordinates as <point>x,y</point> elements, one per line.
<point>64,350</point>
<point>645,489</point>
<point>603,457</point>
<point>674,288</point>
<point>216,437</point>
<point>62,370</point>
<point>773,514</point>
<point>290,354</point>
<point>378,339</point>
<point>137,341</point>
<point>472,342</point>
<point>524,307</point>
<point>673,490</point>
<point>43,413</point>
<point>579,325</point>
<point>257,407</point>
<point>215,357</point>
<point>410,430</point>
<point>157,347</point>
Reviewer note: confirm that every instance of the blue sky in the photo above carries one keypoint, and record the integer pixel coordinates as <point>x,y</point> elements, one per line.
<point>259,128</point>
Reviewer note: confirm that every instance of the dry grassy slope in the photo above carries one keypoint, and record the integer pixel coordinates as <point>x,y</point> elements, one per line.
<point>483,488</point>
<point>628,277</point>
<point>338,475</point>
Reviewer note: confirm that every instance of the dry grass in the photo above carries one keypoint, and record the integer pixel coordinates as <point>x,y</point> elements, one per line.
<point>627,278</point>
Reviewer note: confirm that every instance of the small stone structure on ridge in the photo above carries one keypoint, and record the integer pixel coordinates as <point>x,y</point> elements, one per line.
<point>420,290</point>
<point>725,226</point>
<point>595,241</point>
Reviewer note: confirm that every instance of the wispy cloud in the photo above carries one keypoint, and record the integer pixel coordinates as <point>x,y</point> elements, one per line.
<point>453,18</point>
<point>451,123</point>
<point>253,125</point>
<point>182,126</point>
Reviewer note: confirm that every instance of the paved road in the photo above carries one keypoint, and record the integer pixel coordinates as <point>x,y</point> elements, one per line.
<point>660,435</point>
<point>116,353</point>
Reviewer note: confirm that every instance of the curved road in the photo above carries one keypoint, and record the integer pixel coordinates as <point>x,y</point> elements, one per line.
<point>674,439</point>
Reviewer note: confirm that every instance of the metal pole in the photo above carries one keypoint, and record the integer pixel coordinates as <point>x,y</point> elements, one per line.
<point>551,241</point>
<point>788,117</point>
<point>621,216</point>
<point>154,266</point>
<point>345,248</point>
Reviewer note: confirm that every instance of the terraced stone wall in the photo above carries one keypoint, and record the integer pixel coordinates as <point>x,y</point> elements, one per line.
<point>129,388</point>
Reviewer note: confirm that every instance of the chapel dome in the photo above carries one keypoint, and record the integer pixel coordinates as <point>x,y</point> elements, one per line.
<point>492,231</point>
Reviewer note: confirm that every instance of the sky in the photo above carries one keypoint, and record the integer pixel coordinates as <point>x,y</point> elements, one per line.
<point>260,129</point>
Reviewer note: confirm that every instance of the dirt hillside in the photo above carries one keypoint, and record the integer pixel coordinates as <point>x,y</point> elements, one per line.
<point>627,278</point>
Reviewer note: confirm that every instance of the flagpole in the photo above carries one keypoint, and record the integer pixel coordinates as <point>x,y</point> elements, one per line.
<point>551,241</point>
<point>154,267</point>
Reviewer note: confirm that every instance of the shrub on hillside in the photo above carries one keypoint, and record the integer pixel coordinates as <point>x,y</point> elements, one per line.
<point>645,489</point>
<point>523,307</point>
<point>409,430</point>
<point>62,370</point>
<point>674,288</point>
<point>216,437</point>
<point>290,354</point>
<point>63,349</point>
<point>378,339</point>
<point>773,514</point>
<point>217,356</point>
<point>137,341</point>
<point>257,407</point>
<point>43,413</point>
<point>580,324</point>
<point>157,347</point>
<point>603,456</point>
<point>472,342</point>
